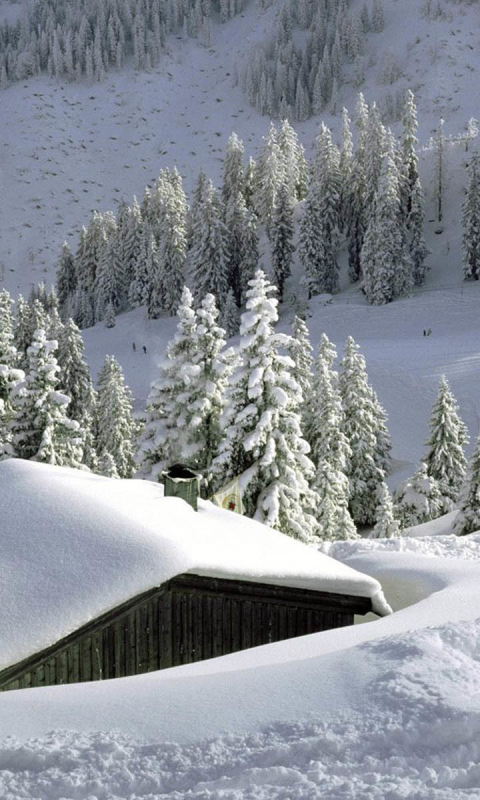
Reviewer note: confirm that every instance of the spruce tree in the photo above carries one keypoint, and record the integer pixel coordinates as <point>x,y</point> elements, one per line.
<point>301,353</point>
<point>40,427</point>
<point>209,254</point>
<point>262,441</point>
<point>140,289</point>
<point>386,525</point>
<point>172,251</point>
<point>162,438</point>
<point>204,398</point>
<point>66,278</point>
<point>418,499</point>
<point>445,457</point>
<point>281,238</point>
<point>356,195</point>
<point>386,263</point>
<point>231,315</point>
<point>242,246</point>
<point>75,373</point>
<point>116,428</point>
<point>468,517</point>
<point>411,196</point>
<point>233,177</point>
<point>8,351</point>
<point>268,173</point>
<point>330,448</point>
<point>471,222</point>
<point>360,426</point>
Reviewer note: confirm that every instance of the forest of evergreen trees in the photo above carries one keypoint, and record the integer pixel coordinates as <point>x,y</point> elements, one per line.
<point>367,199</point>
<point>70,39</point>
<point>294,76</point>
<point>309,445</point>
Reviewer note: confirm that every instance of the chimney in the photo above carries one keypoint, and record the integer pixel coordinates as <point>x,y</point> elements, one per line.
<point>181,481</point>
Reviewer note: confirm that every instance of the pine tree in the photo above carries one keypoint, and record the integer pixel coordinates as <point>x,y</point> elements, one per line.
<point>330,448</point>
<point>115,425</point>
<point>267,176</point>
<point>231,315</point>
<point>243,252</point>
<point>204,400</point>
<point>292,160</point>
<point>411,191</point>
<point>8,351</point>
<point>40,427</point>
<point>468,518</point>
<point>233,177</point>
<point>301,351</point>
<point>471,222</point>
<point>356,196</point>
<point>418,499</point>
<point>75,373</point>
<point>162,439</point>
<point>106,466</point>
<point>386,526</point>
<point>282,233</point>
<point>386,264</point>
<point>445,457</point>
<point>209,255</point>
<point>262,441</point>
<point>439,146</point>
<point>172,251</point>
<point>140,288</point>
<point>321,220</point>
<point>66,278</point>
<point>360,425</point>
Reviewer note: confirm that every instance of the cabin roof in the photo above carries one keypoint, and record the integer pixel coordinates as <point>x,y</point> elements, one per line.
<point>75,545</point>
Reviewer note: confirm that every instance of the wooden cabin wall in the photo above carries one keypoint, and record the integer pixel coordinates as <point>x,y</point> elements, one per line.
<point>190,618</point>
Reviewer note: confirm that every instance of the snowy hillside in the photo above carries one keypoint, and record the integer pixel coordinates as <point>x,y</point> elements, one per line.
<point>68,148</point>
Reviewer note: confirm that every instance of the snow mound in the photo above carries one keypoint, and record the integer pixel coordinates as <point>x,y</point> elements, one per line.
<point>450,546</point>
<point>75,545</point>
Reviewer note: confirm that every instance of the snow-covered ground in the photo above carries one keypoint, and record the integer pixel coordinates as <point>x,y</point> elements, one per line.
<point>388,709</point>
<point>384,710</point>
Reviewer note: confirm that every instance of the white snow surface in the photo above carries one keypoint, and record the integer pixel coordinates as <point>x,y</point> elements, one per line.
<point>379,711</point>
<point>75,545</point>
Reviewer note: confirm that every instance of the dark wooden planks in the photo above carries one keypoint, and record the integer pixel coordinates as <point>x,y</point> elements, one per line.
<point>190,618</point>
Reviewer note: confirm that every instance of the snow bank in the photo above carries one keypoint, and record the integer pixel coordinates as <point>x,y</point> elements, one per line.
<point>368,712</point>
<point>75,545</point>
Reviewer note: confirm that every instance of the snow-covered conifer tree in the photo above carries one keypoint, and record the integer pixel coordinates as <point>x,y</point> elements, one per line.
<point>231,315</point>
<point>243,253</point>
<point>40,427</point>
<point>471,222</point>
<point>386,525</point>
<point>418,499</point>
<point>139,289</point>
<point>66,278</point>
<point>204,400</point>
<point>386,263</point>
<point>76,380</point>
<point>360,425</point>
<point>330,448</point>
<point>106,466</point>
<point>172,251</point>
<point>468,518</point>
<point>209,253</point>
<point>116,428</point>
<point>281,238</point>
<point>301,352</point>
<point>321,219</point>
<point>162,439</point>
<point>268,173</point>
<point>262,441</point>
<point>411,195</point>
<point>439,146</point>
<point>445,457</point>
<point>354,203</point>
<point>233,175</point>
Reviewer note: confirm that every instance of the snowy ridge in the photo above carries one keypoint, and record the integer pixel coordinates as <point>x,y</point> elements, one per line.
<point>84,544</point>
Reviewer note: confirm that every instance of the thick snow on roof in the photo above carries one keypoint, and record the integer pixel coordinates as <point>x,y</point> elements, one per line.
<point>75,545</point>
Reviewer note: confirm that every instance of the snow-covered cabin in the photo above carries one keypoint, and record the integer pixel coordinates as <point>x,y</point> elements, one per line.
<point>102,578</point>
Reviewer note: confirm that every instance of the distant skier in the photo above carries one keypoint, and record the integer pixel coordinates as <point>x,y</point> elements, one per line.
<point>144,349</point>
<point>134,347</point>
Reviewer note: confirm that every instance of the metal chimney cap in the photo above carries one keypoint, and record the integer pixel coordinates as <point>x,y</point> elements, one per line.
<point>179,472</point>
